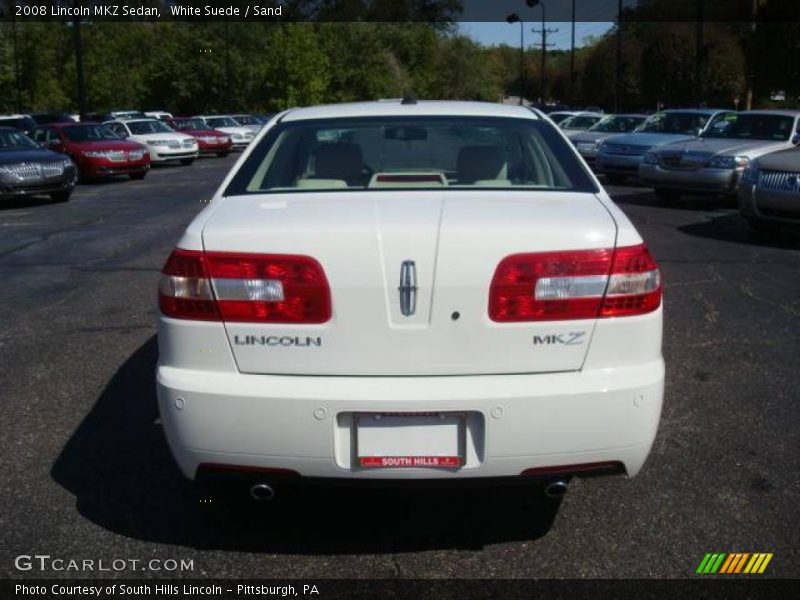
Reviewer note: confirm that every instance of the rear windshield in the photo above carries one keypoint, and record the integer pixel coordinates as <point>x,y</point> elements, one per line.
<point>421,153</point>
<point>741,126</point>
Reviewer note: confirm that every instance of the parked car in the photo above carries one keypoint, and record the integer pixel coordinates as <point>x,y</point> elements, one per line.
<point>97,151</point>
<point>559,115</point>
<point>47,118</point>
<point>27,169</point>
<point>587,142</point>
<point>523,340</point>
<point>158,114</point>
<point>209,141</point>
<point>164,143</point>
<point>580,122</point>
<point>24,123</point>
<point>618,157</point>
<point>240,136</point>
<point>769,194</point>
<point>127,114</point>
<point>713,163</point>
<point>250,121</point>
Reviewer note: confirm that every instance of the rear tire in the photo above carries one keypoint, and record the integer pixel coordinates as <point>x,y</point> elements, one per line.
<point>138,176</point>
<point>60,196</point>
<point>187,161</point>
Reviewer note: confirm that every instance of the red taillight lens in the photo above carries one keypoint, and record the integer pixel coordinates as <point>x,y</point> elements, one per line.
<point>271,288</point>
<point>184,291</point>
<point>634,287</point>
<point>255,288</point>
<point>581,284</point>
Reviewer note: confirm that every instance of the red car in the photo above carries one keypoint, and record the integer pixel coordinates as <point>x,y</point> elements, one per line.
<point>96,150</point>
<point>209,140</point>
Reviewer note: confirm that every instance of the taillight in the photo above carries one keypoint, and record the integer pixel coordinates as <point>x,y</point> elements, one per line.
<point>253,288</point>
<point>184,291</point>
<point>581,284</point>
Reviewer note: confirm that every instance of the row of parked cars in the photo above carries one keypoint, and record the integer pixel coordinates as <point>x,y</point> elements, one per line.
<point>753,154</point>
<point>48,156</point>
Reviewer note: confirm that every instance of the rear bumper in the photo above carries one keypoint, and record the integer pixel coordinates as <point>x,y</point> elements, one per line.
<point>714,181</point>
<point>304,424</point>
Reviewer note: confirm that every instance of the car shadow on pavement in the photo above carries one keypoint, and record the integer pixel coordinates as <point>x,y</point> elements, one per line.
<point>733,228</point>
<point>26,202</point>
<point>118,466</point>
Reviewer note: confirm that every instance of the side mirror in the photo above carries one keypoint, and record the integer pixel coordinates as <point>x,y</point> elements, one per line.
<point>699,132</point>
<point>796,139</point>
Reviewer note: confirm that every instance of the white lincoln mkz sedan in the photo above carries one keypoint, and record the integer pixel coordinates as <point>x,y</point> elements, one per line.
<point>410,291</point>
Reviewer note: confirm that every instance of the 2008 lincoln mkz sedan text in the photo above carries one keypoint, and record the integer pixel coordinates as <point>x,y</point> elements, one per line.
<point>405,291</point>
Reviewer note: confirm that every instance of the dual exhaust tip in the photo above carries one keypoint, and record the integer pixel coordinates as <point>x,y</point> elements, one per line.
<point>556,489</point>
<point>263,491</point>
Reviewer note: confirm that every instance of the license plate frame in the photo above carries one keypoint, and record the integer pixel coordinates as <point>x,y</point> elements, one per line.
<point>450,455</point>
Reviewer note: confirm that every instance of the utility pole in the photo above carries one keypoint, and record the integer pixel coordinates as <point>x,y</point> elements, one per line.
<point>544,32</point>
<point>16,62</point>
<point>699,54</point>
<point>751,67</point>
<point>618,76</point>
<point>572,60</point>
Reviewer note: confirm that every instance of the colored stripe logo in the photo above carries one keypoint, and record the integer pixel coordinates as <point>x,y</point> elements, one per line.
<point>734,563</point>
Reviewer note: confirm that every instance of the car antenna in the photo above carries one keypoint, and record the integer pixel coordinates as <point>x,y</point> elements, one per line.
<point>409,99</point>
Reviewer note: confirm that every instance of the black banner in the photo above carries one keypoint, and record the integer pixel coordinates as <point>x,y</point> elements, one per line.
<point>712,588</point>
<point>442,11</point>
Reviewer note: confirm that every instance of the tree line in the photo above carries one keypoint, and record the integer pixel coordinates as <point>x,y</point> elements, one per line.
<point>201,67</point>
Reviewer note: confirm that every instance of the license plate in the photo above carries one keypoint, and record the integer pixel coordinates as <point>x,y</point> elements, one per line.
<point>410,440</point>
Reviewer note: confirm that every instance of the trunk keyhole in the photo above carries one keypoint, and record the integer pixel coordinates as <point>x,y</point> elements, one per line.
<point>455,316</point>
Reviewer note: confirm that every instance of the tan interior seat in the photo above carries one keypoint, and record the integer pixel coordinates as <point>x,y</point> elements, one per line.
<point>483,162</point>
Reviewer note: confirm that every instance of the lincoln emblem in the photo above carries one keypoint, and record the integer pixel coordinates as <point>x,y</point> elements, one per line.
<point>408,288</point>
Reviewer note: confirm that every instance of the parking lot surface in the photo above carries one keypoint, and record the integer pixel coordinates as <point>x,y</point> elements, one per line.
<point>87,474</point>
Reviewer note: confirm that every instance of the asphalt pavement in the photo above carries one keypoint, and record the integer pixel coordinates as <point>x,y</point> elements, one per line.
<point>86,473</point>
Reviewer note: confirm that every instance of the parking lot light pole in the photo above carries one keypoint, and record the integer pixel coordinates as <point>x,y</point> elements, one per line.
<point>511,19</point>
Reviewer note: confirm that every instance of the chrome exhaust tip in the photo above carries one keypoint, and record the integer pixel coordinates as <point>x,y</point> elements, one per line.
<point>262,491</point>
<point>556,489</point>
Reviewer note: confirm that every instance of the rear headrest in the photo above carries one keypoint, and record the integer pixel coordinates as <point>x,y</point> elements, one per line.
<point>480,162</point>
<point>338,161</point>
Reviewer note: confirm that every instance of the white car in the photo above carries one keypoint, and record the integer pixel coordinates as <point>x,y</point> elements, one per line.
<point>241,136</point>
<point>163,143</point>
<point>410,291</point>
<point>158,114</point>
<point>249,121</point>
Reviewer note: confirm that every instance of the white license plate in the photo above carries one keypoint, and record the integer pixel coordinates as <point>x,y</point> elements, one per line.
<point>409,440</point>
